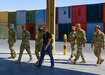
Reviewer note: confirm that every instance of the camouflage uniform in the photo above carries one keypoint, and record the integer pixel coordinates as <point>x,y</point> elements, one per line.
<point>11,41</point>
<point>98,40</point>
<point>81,40</point>
<point>40,44</point>
<point>72,40</point>
<point>25,44</point>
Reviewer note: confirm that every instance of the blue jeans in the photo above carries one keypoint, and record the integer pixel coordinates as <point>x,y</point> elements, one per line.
<point>49,51</point>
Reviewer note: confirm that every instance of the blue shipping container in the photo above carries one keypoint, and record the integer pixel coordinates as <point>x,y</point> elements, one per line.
<point>64,15</point>
<point>91,30</point>
<point>40,17</point>
<point>94,13</point>
<point>21,17</point>
<point>63,29</point>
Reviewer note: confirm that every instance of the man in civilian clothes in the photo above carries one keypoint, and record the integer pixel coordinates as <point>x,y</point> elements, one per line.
<point>47,47</point>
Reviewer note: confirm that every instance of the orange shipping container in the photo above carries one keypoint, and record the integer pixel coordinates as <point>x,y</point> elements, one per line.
<point>104,12</point>
<point>32,29</point>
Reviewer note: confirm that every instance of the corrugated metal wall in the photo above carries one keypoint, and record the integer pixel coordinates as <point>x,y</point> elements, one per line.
<point>91,30</point>
<point>94,13</point>
<point>12,17</point>
<point>3,31</point>
<point>3,17</point>
<point>40,17</point>
<point>19,31</point>
<point>30,17</point>
<point>21,17</point>
<point>64,15</point>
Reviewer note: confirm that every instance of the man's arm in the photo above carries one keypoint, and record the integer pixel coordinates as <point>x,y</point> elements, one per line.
<point>49,41</point>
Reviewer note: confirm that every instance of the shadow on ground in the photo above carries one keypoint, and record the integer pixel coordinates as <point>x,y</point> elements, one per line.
<point>9,67</point>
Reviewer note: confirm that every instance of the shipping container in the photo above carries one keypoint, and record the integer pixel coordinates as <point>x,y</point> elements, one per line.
<point>3,17</point>
<point>78,14</point>
<point>64,29</point>
<point>94,13</point>
<point>40,17</point>
<point>104,12</point>
<point>56,15</point>
<point>56,32</point>
<point>30,17</point>
<point>19,31</point>
<point>32,29</point>
<point>83,25</point>
<point>104,28</point>
<point>64,15</point>
<point>3,32</point>
<point>91,30</point>
<point>21,17</point>
<point>12,17</point>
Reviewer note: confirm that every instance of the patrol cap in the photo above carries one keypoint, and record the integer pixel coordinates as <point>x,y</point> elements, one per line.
<point>23,26</point>
<point>77,25</point>
<point>98,26</point>
<point>40,26</point>
<point>9,25</point>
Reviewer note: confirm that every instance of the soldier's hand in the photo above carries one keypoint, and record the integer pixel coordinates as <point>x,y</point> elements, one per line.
<point>45,49</point>
<point>83,45</point>
<point>91,46</point>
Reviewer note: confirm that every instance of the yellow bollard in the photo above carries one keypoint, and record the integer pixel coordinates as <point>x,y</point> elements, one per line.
<point>65,44</point>
<point>53,52</point>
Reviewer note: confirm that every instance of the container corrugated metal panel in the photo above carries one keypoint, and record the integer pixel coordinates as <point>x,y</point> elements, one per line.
<point>19,31</point>
<point>83,25</point>
<point>12,17</point>
<point>104,12</point>
<point>21,17</point>
<point>64,29</point>
<point>32,29</point>
<point>91,30</point>
<point>78,14</point>
<point>3,17</point>
<point>64,15</point>
<point>56,32</point>
<point>94,13</point>
<point>56,16</point>
<point>3,32</point>
<point>40,17</point>
<point>30,17</point>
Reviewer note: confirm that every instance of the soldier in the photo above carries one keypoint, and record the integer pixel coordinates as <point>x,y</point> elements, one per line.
<point>72,40</point>
<point>25,44</point>
<point>81,41</point>
<point>39,42</point>
<point>11,40</point>
<point>98,41</point>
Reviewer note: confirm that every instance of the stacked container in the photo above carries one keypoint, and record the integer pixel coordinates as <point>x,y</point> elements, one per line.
<point>94,17</point>
<point>20,20</point>
<point>79,15</point>
<point>104,17</point>
<point>40,18</point>
<point>64,21</point>
<point>3,25</point>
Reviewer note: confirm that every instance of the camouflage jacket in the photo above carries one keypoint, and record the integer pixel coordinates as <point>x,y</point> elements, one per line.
<point>12,36</point>
<point>81,37</point>
<point>72,37</point>
<point>25,37</point>
<point>40,38</point>
<point>98,39</point>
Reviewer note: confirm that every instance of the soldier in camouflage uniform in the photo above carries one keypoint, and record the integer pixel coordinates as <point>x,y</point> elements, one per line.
<point>98,41</point>
<point>25,44</point>
<point>72,40</point>
<point>11,40</point>
<point>39,43</point>
<point>81,41</point>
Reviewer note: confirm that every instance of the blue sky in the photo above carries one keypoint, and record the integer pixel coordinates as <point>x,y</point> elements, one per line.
<point>13,5</point>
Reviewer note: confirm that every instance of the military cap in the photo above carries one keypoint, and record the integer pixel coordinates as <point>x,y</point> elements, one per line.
<point>77,25</point>
<point>98,26</point>
<point>23,26</point>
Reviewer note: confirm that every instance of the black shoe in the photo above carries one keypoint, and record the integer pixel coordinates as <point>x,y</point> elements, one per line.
<point>52,66</point>
<point>37,66</point>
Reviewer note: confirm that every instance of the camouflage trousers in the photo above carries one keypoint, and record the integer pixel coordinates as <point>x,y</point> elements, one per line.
<point>79,53</point>
<point>73,51</point>
<point>27,47</point>
<point>13,54</point>
<point>38,51</point>
<point>97,52</point>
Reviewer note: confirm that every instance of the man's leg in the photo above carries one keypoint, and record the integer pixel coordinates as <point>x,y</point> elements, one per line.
<point>29,53</point>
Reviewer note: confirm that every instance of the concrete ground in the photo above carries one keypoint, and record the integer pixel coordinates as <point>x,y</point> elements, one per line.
<point>62,65</point>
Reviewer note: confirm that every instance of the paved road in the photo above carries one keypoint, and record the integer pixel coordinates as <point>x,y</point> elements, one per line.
<point>62,65</point>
